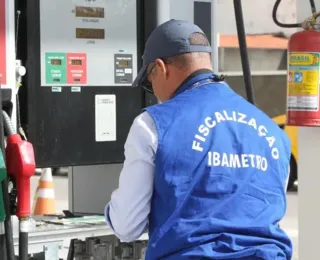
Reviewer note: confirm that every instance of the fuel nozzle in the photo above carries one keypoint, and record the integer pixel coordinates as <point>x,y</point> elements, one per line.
<point>20,163</point>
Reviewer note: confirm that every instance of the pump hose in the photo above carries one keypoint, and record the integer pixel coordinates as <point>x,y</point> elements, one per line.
<point>23,239</point>
<point>243,50</point>
<point>8,126</point>
<point>3,254</point>
<point>7,222</point>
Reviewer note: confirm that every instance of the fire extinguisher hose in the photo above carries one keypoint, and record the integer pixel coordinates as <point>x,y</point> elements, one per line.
<point>292,25</point>
<point>313,7</point>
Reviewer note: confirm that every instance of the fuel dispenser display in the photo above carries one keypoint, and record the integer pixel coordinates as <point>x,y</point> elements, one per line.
<point>93,33</point>
<point>88,59</point>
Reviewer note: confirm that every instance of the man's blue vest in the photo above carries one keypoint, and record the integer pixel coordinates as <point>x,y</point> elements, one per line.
<point>220,176</point>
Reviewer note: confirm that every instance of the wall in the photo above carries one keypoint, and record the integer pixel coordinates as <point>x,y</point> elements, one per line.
<point>260,59</point>
<point>270,91</point>
<point>257,16</point>
<point>304,10</point>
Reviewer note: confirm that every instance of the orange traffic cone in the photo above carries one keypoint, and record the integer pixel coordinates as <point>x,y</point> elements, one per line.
<point>45,202</point>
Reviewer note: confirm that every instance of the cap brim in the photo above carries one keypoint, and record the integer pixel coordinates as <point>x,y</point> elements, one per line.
<point>140,77</point>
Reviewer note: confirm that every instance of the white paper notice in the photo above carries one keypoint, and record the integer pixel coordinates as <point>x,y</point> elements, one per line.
<point>105,118</point>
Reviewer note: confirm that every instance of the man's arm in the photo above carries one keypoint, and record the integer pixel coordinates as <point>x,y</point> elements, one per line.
<point>128,210</point>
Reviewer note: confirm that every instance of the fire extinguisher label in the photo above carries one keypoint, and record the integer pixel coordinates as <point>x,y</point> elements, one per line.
<point>303,81</point>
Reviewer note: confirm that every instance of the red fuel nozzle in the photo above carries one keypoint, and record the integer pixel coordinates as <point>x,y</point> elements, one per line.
<point>20,162</point>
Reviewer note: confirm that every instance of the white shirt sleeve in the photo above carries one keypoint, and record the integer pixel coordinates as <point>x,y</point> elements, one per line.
<point>129,208</point>
<point>287,181</point>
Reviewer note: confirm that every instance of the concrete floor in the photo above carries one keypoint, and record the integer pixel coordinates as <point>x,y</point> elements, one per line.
<point>289,223</point>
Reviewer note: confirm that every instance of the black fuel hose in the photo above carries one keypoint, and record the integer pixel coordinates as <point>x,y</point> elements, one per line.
<point>7,223</point>
<point>243,51</point>
<point>3,253</point>
<point>23,239</point>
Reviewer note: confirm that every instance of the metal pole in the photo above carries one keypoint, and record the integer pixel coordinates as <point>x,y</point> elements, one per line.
<point>163,11</point>
<point>163,14</point>
<point>215,37</point>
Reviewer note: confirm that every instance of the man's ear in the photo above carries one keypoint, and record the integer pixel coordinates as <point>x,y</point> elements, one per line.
<point>161,67</point>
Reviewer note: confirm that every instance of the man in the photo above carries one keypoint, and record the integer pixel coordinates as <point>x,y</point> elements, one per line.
<point>205,171</point>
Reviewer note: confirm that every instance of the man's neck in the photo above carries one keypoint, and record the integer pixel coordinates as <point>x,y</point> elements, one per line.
<point>181,75</point>
<point>194,74</point>
<point>189,76</point>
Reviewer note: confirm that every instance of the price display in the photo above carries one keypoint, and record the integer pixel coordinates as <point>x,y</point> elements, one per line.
<point>76,62</point>
<point>55,62</point>
<point>89,33</point>
<point>123,63</point>
<point>93,12</point>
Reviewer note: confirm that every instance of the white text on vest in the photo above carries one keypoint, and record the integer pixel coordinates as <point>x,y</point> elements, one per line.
<point>224,116</point>
<point>237,160</point>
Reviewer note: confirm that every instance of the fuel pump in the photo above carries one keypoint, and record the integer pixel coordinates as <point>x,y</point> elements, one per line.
<point>303,103</point>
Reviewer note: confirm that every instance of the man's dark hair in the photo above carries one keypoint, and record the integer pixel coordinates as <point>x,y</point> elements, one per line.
<point>184,60</point>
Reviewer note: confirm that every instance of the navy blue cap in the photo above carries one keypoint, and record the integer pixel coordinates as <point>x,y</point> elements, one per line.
<point>167,40</point>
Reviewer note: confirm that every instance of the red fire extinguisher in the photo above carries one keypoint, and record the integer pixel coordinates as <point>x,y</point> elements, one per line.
<point>303,79</point>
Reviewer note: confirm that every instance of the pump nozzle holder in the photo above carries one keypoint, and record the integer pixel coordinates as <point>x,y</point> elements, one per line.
<point>21,164</point>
